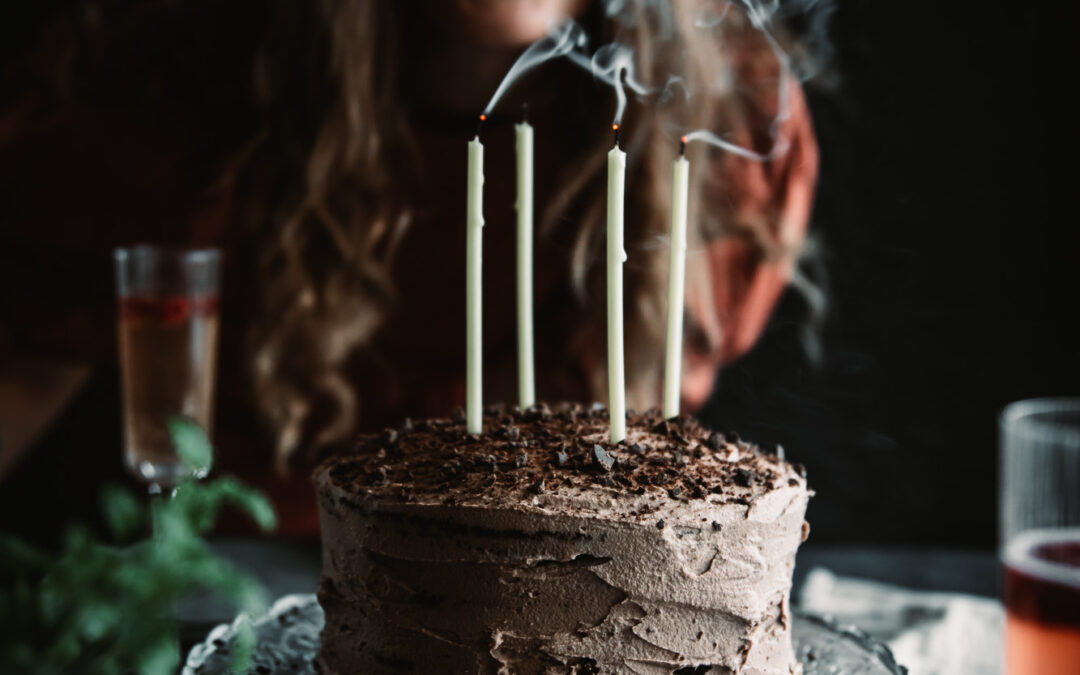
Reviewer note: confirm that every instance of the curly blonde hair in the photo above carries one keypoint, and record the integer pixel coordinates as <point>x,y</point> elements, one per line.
<point>325,263</point>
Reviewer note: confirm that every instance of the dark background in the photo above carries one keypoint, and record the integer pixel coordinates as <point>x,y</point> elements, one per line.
<point>945,243</point>
<point>949,248</point>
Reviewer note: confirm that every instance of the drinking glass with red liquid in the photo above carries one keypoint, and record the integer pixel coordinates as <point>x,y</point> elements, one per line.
<point>1040,535</point>
<point>168,328</point>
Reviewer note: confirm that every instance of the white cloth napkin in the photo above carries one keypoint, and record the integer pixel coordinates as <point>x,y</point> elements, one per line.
<point>930,633</point>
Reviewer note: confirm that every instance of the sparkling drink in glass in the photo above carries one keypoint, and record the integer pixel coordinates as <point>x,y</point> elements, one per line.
<point>1040,535</point>
<point>168,329</point>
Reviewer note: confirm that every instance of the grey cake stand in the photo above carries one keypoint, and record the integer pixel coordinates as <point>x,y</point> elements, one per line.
<point>287,640</point>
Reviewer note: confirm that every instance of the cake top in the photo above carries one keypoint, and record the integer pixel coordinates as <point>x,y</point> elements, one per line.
<point>527,455</point>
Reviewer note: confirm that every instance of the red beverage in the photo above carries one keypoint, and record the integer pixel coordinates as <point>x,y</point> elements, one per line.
<point>1042,603</point>
<point>167,351</point>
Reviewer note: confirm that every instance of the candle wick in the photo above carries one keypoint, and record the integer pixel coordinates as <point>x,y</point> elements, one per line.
<point>524,113</point>
<point>682,146</point>
<point>479,123</point>
<point>616,128</point>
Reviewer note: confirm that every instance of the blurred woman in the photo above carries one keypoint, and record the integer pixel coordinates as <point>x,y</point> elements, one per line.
<point>337,191</point>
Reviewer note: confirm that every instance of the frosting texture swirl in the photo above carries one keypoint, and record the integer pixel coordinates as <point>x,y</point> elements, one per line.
<point>538,547</point>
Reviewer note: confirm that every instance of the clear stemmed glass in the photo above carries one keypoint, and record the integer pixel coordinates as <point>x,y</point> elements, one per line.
<point>168,331</point>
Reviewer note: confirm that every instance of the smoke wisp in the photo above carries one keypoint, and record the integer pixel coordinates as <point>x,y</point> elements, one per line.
<point>562,39</point>
<point>613,64</point>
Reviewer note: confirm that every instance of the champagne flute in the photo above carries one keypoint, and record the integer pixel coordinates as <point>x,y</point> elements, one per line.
<point>168,332</point>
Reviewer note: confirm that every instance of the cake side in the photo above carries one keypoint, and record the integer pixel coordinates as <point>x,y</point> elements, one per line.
<point>539,547</point>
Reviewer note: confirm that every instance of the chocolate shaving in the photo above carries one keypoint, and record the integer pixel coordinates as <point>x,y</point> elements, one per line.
<point>744,477</point>
<point>603,458</point>
<point>673,458</point>
<point>381,476</point>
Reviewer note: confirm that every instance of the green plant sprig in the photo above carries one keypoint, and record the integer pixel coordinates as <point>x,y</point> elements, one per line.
<point>105,608</point>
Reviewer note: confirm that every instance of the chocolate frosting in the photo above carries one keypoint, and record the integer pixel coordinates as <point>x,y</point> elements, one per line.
<point>539,547</point>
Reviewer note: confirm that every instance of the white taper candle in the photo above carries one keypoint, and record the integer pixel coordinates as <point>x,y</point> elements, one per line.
<point>474,223</point>
<point>676,285</point>
<point>526,372</point>
<point>616,256</point>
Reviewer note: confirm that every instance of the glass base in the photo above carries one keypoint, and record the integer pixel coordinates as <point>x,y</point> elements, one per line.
<point>158,475</point>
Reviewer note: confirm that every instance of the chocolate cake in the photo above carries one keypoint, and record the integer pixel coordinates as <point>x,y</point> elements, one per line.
<point>539,547</point>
